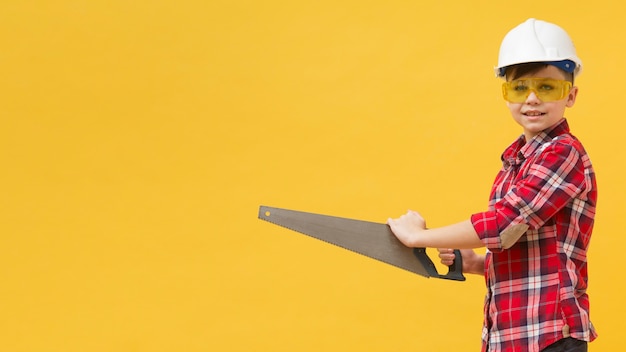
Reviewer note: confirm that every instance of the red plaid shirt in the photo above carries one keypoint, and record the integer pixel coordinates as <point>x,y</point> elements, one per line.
<point>537,288</point>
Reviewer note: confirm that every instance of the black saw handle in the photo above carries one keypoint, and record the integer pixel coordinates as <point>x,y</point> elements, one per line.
<point>455,271</point>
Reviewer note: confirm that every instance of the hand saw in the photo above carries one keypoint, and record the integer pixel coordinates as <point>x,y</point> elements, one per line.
<point>374,240</point>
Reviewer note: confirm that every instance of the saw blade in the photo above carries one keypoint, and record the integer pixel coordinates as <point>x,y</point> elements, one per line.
<point>374,240</point>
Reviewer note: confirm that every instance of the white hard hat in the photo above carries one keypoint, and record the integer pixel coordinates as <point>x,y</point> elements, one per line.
<point>538,41</point>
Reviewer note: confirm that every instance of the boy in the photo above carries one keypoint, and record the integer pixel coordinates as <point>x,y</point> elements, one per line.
<point>541,210</point>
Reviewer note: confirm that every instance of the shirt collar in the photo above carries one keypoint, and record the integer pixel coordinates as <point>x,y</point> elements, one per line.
<point>520,150</point>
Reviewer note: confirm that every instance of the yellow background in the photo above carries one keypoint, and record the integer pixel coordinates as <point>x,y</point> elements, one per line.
<point>138,139</point>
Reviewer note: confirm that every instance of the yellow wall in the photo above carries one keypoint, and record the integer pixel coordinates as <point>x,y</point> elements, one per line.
<point>138,139</point>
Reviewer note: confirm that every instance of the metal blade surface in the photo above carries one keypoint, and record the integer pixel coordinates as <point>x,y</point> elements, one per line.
<point>374,240</point>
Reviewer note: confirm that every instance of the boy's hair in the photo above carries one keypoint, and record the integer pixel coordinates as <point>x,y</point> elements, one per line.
<point>516,71</point>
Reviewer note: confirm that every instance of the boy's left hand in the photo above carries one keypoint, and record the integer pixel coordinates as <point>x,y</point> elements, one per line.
<point>408,227</point>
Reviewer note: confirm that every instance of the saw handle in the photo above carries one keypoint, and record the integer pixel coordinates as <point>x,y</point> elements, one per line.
<point>455,271</point>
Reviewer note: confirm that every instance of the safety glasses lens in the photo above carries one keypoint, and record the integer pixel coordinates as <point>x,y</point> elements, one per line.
<point>517,91</point>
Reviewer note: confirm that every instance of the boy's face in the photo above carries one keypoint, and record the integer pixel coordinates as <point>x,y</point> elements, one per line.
<point>535,115</point>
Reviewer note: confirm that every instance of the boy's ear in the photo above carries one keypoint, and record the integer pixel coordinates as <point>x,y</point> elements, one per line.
<point>571,97</point>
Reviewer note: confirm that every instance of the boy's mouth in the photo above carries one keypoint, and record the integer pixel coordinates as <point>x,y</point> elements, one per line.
<point>534,113</point>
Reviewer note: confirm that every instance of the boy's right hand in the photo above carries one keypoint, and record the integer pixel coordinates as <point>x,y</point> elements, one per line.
<point>472,262</point>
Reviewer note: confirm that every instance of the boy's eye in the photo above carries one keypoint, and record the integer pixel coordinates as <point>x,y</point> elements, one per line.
<point>546,86</point>
<point>520,88</point>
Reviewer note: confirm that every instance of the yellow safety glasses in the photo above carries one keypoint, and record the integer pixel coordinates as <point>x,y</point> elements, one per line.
<point>546,89</point>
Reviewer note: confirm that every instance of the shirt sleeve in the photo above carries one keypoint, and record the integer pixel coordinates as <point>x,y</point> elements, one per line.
<point>555,176</point>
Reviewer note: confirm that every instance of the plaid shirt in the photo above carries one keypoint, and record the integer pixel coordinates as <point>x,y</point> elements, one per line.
<point>537,288</point>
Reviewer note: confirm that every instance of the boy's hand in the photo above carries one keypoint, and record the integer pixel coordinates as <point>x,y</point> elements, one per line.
<point>408,228</point>
<point>472,262</point>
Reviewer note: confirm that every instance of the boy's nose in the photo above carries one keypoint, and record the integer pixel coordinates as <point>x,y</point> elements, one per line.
<point>532,98</point>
